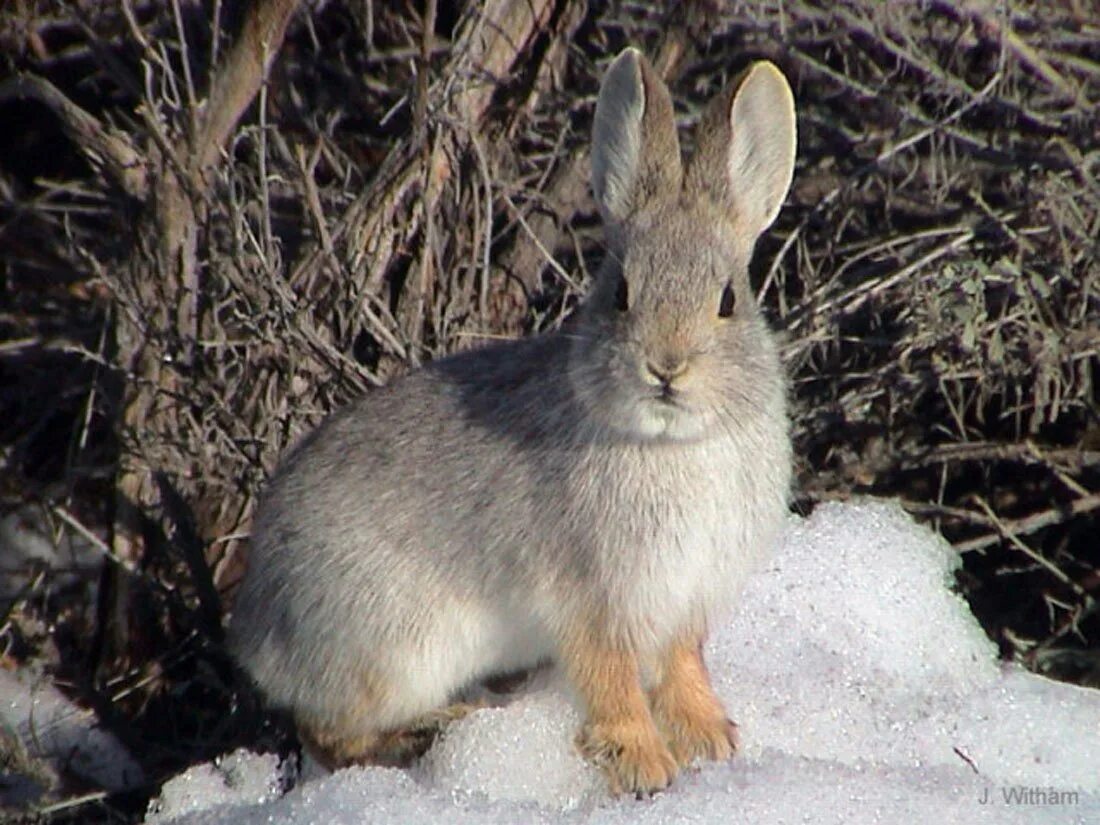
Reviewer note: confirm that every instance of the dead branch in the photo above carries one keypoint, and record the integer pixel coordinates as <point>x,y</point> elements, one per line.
<point>1013,528</point>
<point>237,82</point>
<point>106,149</point>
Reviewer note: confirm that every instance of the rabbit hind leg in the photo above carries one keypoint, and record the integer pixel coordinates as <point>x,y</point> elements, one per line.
<point>334,750</point>
<point>398,747</point>
<point>402,746</point>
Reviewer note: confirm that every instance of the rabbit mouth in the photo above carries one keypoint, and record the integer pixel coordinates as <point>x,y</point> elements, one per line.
<point>667,397</point>
<point>670,405</point>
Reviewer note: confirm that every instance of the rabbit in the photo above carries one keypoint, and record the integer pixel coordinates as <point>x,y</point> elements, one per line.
<point>590,497</point>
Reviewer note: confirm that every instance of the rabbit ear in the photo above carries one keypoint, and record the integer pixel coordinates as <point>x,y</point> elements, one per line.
<point>746,145</point>
<point>635,150</point>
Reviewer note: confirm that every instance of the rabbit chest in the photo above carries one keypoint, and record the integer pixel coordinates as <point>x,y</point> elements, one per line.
<point>673,530</point>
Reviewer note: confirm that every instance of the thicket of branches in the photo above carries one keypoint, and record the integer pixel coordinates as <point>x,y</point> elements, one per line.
<point>211,236</point>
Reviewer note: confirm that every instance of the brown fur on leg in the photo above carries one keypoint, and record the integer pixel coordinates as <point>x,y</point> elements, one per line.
<point>334,751</point>
<point>619,735</point>
<point>395,748</point>
<point>401,747</point>
<point>690,716</point>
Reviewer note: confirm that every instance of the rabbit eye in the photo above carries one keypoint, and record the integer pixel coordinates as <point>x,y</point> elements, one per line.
<point>728,302</point>
<point>621,295</point>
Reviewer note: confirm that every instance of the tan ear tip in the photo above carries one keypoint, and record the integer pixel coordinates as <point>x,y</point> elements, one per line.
<point>765,75</point>
<point>765,70</point>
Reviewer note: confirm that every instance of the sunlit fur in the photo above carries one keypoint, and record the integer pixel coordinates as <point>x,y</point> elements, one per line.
<point>545,498</point>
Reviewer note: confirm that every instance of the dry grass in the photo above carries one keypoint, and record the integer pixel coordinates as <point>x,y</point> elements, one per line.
<point>387,200</point>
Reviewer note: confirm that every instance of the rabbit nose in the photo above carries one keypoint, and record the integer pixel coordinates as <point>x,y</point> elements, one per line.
<point>668,369</point>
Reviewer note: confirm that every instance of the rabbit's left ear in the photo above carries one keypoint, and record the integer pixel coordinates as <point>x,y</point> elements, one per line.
<point>745,151</point>
<point>635,150</point>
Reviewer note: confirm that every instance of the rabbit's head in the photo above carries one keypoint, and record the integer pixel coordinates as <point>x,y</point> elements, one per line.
<point>670,341</point>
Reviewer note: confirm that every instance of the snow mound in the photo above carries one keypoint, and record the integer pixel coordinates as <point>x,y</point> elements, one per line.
<point>523,753</point>
<point>239,779</point>
<point>864,688</point>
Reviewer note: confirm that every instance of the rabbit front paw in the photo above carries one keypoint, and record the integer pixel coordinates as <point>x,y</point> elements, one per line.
<point>687,711</point>
<point>635,761</point>
<point>694,736</point>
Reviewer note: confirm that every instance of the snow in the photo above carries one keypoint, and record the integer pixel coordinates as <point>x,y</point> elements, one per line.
<point>239,779</point>
<point>44,736</point>
<point>60,737</point>
<point>864,689</point>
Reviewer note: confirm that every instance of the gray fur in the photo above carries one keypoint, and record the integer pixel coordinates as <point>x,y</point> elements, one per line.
<point>617,135</point>
<point>453,524</point>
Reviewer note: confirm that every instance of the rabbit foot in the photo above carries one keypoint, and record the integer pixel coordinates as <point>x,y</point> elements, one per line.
<point>403,746</point>
<point>634,761</point>
<point>437,720</point>
<point>334,751</point>
<point>397,748</point>
<point>689,738</point>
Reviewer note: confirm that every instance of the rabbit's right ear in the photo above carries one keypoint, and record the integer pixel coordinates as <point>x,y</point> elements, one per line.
<point>745,147</point>
<point>635,150</point>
